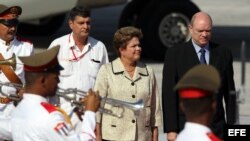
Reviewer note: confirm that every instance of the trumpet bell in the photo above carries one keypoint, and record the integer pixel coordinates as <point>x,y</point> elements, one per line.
<point>11,62</point>
<point>135,107</point>
<point>12,96</point>
<point>70,94</point>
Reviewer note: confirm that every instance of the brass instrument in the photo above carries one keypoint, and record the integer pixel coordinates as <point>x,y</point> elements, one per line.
<point>11,62</point>
<point>13,97</point>
<point>71,95</point>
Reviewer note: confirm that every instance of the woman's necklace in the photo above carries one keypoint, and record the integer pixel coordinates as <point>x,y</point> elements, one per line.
<point>130,70</point>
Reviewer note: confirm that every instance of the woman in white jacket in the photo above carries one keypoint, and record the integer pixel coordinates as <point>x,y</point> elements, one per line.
<point>128,80</point>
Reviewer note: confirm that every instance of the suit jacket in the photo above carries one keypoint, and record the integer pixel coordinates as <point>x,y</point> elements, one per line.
<point>114,82</point>
<point>177,62</point>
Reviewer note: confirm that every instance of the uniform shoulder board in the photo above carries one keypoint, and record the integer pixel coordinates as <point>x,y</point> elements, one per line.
<point>23,39</point>
<point>49,107</point>
<point>213,137</point>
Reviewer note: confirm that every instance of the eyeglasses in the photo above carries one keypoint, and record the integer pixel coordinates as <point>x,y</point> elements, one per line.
<point>9,23</point>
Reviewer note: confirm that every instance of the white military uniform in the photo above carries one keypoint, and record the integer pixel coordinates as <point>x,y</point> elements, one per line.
<point>36,120</point>
<point>80,67</point>
<point>196,132</point>
<point>5,129</point>
<point>19,47</point>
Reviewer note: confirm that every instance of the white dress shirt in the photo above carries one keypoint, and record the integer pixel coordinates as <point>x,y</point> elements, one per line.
<point>80,73</point>
<point>36,120</point>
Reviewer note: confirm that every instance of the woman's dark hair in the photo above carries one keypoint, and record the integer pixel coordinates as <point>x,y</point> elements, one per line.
<point>123,35</point>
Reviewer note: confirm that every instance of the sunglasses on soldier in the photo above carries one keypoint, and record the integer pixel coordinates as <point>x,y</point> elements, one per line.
<point>10,22</point>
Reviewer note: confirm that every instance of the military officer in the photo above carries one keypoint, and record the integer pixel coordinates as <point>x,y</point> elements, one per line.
<point>36,119</point>
<point>10,44</point>
<point>197,90</point>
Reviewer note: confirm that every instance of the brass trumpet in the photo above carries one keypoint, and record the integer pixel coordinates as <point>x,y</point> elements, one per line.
<point>11,62</point>
<point>71,95</point>
<point>13,97</point>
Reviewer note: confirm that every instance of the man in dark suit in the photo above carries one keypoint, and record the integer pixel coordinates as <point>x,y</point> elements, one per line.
<point>180,59</point>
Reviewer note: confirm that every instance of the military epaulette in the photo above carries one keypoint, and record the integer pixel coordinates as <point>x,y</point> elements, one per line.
<point>23,39</point>
<point>213,137</point>
<point>49,107</point>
